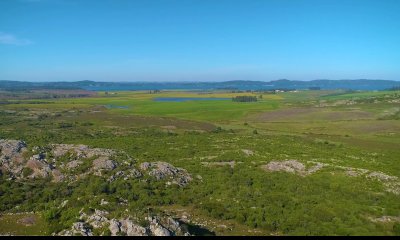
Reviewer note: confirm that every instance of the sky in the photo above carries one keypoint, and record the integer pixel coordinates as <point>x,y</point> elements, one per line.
<point>199,40</point>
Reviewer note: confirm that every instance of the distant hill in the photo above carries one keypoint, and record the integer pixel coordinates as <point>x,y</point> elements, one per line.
<point>358,84</point>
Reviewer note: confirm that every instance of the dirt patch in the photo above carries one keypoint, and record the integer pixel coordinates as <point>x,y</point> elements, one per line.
<point>27,221</point>
<point>169,127</point>
<point>125,121</point>
<point>344,115</point>
<point>377,127</point>
<point>284,115</point>
<point>312,114</point>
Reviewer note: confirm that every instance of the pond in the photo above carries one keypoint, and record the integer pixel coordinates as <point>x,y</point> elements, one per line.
<point>185,99</point>
<point>110,106</point>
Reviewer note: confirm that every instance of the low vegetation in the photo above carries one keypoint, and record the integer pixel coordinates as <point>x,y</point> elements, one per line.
<point>290,163</point>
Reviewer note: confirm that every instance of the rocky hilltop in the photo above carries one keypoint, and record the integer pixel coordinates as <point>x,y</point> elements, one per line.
<point>67,163</point>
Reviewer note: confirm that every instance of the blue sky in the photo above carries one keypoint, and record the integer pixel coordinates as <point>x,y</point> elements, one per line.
<point>199,40</point>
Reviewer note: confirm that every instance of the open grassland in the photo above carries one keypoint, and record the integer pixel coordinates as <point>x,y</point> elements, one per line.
<point>350,141</point>
<point>23,224</point>
<point>142,103</point>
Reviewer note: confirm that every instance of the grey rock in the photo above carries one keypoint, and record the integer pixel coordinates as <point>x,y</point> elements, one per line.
<point>132,229</point>
<point>157,229</point>
<point>104,163</point>
<point>73,164</point>
<point>11,157</point>
<point>165,171</point>
<point>98,219</point>
<point>115,227</point>
<point>78,228</point>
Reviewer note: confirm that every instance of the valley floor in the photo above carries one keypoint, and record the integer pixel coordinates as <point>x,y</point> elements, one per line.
<point>292,163</point>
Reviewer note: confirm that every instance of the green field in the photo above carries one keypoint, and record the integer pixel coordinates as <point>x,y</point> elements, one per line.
<point>23,224</point>
<point>337,129</point>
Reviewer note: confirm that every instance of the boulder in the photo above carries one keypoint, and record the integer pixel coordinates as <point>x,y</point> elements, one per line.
<point>104,163</point>
<point>115,227</point>
<point>11,157</point>
<point>98,219</point>
<point>165,171</point>
<point>132,229</point>
<point>158,230</point>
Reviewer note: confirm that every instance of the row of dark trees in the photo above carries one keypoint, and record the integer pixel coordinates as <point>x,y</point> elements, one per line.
<point>244,99</point>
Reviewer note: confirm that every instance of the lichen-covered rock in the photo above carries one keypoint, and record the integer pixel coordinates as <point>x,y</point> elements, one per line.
<point>157,226</point>
<point>157,229</point>
<point>115,227</point>
<point>81,151</point>
<point>41,169</point>
<point>98,219</point>
<point>73,164</point>
<point>81,228</point>
<point>11,156</point>
<point>57,175</point>
<point>11,148</point>
<point>78,228</point>
<point>134,173</point>
<point>165,171</point>
<point>145,166</point>
<point>104,163</point>
<point>132,229</point>
<point>381,176</point>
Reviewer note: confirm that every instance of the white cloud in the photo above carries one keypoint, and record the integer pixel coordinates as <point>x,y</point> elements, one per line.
<point>6,38</point>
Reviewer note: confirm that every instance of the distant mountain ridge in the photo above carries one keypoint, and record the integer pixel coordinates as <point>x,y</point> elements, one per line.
<point>357,84</point>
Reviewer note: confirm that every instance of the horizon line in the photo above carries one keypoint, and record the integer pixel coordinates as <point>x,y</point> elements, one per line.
<point>189,81</point>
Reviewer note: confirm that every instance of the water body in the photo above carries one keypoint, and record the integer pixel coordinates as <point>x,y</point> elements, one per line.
<point>185,99</point>
<point>109,106</point>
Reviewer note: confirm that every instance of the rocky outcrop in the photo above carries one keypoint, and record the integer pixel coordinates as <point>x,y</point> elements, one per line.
<point>133,173</point>
<point>104,163</point>
<point>73,164</point>
<point>78,228</point>
<point>53,161</point>
<point>385,219</point>
<point>13,161</point>
<point>156,226</point>
<point>80,151</point>
<point>40,168</point>
<point>292,166</point>
<point>11,149</point>
<point>57,175</point>
<point>115,227</point>
<point>165,171</point>
<point>381,176</point>
<point>98,219</point>
<point>391,183</point>
<point>68,162</point>
<point>11,157</point>
<point>131,229</point>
